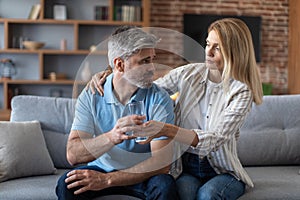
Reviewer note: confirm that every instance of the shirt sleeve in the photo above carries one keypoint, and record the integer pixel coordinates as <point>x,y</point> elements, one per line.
<point>84,119</point>
<point>169,82</point>
<point>162,110</point>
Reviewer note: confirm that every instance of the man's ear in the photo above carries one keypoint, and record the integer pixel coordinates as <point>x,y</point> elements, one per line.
<point>119,64</point>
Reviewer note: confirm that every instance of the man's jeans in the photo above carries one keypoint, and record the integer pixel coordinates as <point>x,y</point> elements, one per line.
<point>200,181</point>
<point>157,187</point>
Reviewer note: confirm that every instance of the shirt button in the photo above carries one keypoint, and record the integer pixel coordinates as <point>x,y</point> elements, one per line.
<point>207,117</point>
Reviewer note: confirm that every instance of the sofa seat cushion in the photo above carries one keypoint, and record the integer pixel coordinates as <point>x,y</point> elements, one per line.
<point>36,187</point>
<point>274,183</point>
<point>41,187</point>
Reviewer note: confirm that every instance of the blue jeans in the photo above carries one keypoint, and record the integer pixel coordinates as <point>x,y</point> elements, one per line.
<point>199,181</point>
<point>157,187</point>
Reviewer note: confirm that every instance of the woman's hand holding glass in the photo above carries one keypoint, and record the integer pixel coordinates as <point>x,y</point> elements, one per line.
<point>150,129</point>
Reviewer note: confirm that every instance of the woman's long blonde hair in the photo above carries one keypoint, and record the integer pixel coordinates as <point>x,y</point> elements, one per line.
<point>238,54</point>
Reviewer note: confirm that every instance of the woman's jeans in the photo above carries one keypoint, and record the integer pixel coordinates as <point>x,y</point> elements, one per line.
<point>200,181</point>
<point>157,187</point>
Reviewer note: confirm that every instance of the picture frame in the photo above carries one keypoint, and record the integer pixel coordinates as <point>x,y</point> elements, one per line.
<point>60,12</point>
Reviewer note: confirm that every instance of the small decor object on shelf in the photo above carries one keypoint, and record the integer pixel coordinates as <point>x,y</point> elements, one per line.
<point>53,76</point>
<point>7,68</point>
<point>93,48</point>
<point>63,44</point>
<point>21,40</point>
<point>33,45</point>
<point>60,12</point>
<point>35,11</point>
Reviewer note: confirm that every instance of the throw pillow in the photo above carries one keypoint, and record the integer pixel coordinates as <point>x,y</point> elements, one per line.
<point>23,151</point>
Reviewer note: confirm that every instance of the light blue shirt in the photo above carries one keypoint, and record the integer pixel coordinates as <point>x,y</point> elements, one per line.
<point>96,114</point>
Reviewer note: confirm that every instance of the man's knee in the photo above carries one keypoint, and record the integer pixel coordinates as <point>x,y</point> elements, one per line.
<point>165,181</point>
<point>61,182</point>
<point>62,191</point>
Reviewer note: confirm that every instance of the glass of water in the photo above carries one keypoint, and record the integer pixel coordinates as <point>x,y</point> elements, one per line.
<point>137,108</point>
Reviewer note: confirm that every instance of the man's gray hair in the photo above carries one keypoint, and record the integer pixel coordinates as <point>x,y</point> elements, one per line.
<point>128,40</point>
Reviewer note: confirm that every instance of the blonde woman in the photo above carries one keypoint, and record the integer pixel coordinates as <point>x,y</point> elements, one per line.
<point>214,99</point>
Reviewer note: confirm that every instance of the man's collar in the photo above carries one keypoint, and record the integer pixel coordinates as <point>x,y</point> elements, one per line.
<point>109,96</point>
<point>108,90</point>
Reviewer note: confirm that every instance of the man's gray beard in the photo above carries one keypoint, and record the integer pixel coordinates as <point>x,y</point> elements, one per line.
<point>144,86</point>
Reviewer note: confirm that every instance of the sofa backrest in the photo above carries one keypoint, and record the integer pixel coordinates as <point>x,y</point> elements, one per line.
<point>56,117</point>
<point>271,133</point>
<point>269,136</point>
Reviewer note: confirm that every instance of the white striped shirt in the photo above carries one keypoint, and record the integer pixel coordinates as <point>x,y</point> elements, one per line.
<point>225,115</point>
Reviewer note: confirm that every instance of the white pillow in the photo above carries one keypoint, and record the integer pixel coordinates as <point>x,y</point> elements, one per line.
<point>23,150</point>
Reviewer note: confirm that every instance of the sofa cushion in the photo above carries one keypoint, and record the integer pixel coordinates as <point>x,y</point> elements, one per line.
<point>271,133</point>
<point>41,188</point>
<point>23,150</point>
<point>57,143</point>
<point>55,115</point>
<point>273,182</point>
<point>29,188</point>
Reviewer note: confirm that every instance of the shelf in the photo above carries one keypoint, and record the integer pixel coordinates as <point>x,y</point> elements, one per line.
<point>67,44</point>
<point>40,82</point>
<point>68,21</point>
<point>51,52</point>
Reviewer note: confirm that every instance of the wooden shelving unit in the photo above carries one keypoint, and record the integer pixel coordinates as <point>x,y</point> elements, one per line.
<point>294,46</point>
<point>80,33</point>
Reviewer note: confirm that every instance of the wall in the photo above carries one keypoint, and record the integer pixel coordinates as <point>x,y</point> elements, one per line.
<point>274,13</point>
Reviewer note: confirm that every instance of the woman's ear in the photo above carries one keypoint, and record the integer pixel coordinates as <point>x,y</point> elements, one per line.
<point>119,64</point>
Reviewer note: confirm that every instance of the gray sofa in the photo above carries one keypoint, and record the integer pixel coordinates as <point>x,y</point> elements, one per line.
<point>269,147</point>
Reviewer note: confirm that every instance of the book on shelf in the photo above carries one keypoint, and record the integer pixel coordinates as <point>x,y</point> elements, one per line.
<point>128,13</point>
<point>35,11</point>
<point>101,12</point>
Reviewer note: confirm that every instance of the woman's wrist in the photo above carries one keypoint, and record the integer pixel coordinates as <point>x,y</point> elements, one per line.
<point>171,130</point>
<point>181,135</point>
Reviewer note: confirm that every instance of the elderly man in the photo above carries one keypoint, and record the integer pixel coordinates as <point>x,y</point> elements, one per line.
<point>117,163</point>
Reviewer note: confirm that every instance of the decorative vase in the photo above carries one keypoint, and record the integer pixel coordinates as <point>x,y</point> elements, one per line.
<point>7,69</point>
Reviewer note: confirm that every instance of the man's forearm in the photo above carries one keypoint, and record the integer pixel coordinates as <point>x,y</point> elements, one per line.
<point>123,178</point>
<point>82,148</point>
<point>159,163</point>
<point>131,176</point>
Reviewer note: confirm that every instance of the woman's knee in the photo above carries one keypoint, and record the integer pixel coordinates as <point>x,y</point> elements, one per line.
<point>208,192</point>
<point>223,186</point>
